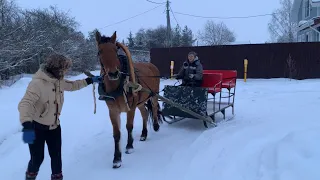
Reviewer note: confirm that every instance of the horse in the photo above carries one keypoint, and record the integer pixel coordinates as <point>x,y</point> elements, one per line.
<point>117,70</point>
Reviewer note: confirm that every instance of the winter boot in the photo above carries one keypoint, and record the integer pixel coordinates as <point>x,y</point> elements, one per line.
<point>31,175</point>
<point>57,176</point>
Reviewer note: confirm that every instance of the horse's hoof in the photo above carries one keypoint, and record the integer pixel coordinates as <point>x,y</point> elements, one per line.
<point>129,150</point>
<point>116,165</point>
<point>143,138</point>
<point>156,127</point>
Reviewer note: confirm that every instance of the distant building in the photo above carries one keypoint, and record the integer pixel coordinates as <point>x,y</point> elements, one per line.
<point>307,14</point>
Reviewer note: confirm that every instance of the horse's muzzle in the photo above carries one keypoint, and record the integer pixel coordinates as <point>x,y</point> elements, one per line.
<point>113,75</point>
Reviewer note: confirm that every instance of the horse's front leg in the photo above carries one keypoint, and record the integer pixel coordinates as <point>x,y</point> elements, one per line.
<point>115,120</point>
<point>129,126</point>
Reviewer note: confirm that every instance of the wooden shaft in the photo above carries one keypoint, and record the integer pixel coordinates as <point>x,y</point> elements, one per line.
<point>207,119</point>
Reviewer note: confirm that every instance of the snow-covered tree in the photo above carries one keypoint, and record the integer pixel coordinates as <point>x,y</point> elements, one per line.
<point>280,27</point>
<point>28,36</point>
<point>216,34</point>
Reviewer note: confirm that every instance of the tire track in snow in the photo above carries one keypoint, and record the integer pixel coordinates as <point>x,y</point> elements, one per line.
<point>188,157</point>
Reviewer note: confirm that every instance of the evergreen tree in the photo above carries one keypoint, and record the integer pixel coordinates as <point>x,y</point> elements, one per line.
<point>131,43</point>
<point>140,40</point>
<point>187,37</point>
<point>176,36</point>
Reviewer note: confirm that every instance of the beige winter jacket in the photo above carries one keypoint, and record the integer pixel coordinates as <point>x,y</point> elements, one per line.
<point>44,99</point>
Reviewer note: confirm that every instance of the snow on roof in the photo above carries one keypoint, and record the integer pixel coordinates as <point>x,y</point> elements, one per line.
<point>302,22</point>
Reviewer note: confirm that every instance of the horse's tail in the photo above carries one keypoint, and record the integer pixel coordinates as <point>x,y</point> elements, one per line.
<point>154,107</point>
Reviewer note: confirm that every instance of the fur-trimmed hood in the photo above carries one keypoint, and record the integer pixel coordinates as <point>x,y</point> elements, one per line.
<point>44,75</point>
<point>54,67</point>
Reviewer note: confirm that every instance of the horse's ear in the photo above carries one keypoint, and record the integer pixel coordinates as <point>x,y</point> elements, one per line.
<point>114,37</point>
<point>98,37</point>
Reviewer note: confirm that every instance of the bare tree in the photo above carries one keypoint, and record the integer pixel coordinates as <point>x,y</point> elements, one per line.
<point>280,27</point>
<point>28,36</point>
<point>216,34</point>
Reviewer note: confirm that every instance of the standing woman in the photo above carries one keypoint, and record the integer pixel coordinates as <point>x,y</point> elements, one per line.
<point>40,109</point>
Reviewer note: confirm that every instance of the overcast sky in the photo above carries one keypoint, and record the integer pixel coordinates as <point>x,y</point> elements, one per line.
<point>100,13</point>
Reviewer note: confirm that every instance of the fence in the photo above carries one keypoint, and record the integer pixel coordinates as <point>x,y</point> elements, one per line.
<point>274,60</point>
<point>138,55</point>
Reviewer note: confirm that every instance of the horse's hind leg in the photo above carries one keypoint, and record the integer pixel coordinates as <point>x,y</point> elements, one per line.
<point>129,126</point>
<point>144,114</point>
<point>115,120</point>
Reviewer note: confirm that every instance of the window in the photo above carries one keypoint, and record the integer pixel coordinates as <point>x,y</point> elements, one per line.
<point>299,38</point>
<point>308,36</point>
<point>306,8</point>
<point>311,36</point>
<point>317,37</point>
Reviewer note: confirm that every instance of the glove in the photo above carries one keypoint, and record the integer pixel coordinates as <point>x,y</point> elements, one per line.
<point>96,79</point>
<point>28,134</point>
<point>176,77</point>
<point>191,76</point>
<point>185,64</point>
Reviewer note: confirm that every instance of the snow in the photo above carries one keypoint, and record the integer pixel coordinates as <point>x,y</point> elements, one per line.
<point>302,22</point>
<point>274,136</point>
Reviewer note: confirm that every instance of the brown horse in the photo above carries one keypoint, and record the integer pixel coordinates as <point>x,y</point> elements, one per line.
<point>116,71</point>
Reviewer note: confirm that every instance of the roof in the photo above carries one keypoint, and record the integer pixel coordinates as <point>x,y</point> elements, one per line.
<point>296,7</point>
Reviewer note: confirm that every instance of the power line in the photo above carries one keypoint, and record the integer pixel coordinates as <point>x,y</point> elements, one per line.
<point>191,15</point>
<point>132,17</point>
<point>173,15</point>
<point>156,2</point>
<point>231,17</point>
<point>234,17</point>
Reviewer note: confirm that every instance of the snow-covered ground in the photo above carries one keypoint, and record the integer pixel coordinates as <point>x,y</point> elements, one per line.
<point>274,136</point>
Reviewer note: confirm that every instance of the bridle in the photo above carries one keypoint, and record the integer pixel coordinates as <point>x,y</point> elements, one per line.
<point>113,76</point>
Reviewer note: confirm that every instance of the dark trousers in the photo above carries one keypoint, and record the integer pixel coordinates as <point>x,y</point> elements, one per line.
<point>53,140</point>
<point>191,83</point>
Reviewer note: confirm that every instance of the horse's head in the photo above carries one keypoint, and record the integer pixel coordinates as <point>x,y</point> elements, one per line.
<point>107,47</point>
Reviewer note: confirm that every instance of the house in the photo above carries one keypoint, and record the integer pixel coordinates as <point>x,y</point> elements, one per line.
<point>307,14</point>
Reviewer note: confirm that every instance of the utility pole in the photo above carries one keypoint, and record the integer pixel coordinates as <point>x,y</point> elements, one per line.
<point>168,25</point>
